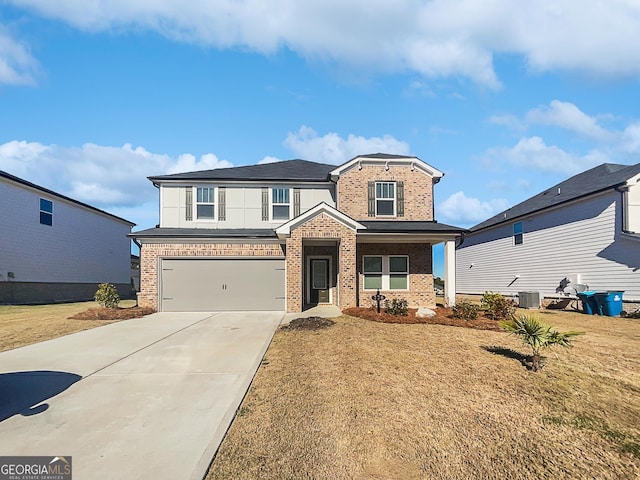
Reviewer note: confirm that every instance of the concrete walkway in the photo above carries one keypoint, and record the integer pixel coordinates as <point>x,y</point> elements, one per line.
<point>148,398</point>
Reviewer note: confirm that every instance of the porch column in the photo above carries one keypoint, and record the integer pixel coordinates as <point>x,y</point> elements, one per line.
<point>450,272</point>
<point>347,283</point>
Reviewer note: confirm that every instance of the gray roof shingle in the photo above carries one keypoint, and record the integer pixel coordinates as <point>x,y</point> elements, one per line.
<point>597,179</point>
<point>288,170</point>
<point>398,226</point>
<point>205,233</point>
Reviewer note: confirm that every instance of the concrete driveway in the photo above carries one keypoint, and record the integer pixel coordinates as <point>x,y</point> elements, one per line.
<point>148,398</point>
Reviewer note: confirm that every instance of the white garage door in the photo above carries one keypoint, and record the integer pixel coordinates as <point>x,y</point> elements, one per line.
<point>197,285</point>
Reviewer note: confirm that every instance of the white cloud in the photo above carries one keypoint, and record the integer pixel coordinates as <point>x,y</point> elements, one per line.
<point>333,149</point>
<point>103,176</point>
<point>17,66</point>
<point>568,116</point>
<point>631,139</point>
<point>507,120</point>
<point>269,159</point>
<point>467,211</point>
<point>437,38</point>
<point>533,153</point>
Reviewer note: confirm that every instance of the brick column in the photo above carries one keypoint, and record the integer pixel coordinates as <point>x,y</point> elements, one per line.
<point>347,286</point>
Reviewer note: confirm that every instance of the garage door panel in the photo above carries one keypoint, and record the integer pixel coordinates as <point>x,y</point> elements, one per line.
<point>223,284</point>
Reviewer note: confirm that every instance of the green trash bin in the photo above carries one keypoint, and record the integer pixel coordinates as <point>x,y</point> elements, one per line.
<point>589,304</point>
<point>609,302</point>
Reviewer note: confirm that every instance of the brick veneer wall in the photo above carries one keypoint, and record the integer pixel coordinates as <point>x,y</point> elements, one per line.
<point>321,226</point>
<point>151,252</point>
<point>421,293</point>
<point>418,191</point>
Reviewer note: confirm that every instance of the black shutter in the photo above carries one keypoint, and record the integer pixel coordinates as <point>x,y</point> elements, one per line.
<point>400,195</point>
<point>188,201</point>
<point>372,199</point>
<point>265,204</point>
<point>296,202</point>
<point>222,204</point>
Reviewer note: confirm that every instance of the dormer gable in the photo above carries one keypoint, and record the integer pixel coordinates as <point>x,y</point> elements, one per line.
<point>386,187</point>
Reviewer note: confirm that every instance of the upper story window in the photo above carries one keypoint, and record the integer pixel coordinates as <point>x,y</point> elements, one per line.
<point>280,204</point>
<point>385,198</point>
<point>46,212</point>
<point>205,203</point>
<point>518,233</point>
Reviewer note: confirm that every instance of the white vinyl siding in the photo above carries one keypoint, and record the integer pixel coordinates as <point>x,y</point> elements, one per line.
<point>82,245</point>
<point>632,208</point>
<point>243,206</point>
<point>582,238</point>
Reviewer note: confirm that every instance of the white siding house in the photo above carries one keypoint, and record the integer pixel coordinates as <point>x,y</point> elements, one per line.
<point>53,248</point>
<point>577,232</point>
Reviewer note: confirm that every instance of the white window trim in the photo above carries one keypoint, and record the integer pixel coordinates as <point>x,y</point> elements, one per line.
<point>194,208</point>
<point>521,234</point>
<point>386,274</point>
<point>41,211</point>
<point>271,204</point>
<point>395,198</point>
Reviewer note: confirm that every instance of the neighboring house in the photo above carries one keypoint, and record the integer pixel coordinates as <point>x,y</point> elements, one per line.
<point>291,234</point>
<point>54,248</point>
<point>582,232</point>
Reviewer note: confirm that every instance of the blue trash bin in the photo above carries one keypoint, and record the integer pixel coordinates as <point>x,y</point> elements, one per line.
<point>589,304</point>
<point>610,302</point>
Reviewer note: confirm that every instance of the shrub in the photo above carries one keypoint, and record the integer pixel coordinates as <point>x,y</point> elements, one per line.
<point>397,306</point>
<point>107,295</point>
<point>466,310</point>
<point>537,336</point>
<point>497,306</point>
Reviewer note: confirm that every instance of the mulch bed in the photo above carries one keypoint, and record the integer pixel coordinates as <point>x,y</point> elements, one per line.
<point>309,323</point>
<point>113,313</point>
<point>443,316</point>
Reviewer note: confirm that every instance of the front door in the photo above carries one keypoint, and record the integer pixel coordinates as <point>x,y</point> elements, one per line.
<point>319,280</point>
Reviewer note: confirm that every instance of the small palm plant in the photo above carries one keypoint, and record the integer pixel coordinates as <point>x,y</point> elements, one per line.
<point>538,336</point>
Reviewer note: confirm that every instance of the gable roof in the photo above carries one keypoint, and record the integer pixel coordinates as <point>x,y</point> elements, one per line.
<point>287,170</point>
<point>26,183</point>
<point>285,229</point>
<point>386,158</point>
<point>603,177</point>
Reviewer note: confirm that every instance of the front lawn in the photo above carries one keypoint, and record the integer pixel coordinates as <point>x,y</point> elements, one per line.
<point>360,399</point>
<point>22,325</point>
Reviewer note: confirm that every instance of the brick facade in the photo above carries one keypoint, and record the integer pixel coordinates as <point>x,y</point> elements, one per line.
<point>322,227</point>
<point>418,191</point>
<point>323,235</point>
<point>421,293</point>
<point>152,252</point>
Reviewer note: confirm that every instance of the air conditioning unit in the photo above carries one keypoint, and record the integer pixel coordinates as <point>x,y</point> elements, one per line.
<point>529,299</point>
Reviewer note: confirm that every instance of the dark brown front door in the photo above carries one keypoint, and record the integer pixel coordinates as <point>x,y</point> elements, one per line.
<point>320,280</point>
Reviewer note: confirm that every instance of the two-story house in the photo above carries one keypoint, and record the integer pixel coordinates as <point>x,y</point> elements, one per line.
<point>292,234</point>
<point>56,249</point>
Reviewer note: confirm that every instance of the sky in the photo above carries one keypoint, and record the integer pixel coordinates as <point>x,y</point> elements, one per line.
<point>506,97</point>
